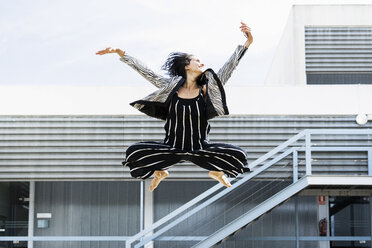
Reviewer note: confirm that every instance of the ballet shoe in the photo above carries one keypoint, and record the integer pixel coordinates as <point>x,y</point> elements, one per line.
<point>158,176</point>
<point>221,177</point>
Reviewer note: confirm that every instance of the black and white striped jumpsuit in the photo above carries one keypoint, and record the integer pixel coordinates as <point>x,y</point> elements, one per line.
<point>186,139</point>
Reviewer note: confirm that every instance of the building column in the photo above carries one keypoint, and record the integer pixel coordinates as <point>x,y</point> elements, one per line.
<point>148,209</point>
<point>297,223</point>
<point>31,214</point>
<point>370,217</point>
<point>323,213</point>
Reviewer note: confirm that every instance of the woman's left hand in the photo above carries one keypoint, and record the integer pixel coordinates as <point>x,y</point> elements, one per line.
<point>247,32</point>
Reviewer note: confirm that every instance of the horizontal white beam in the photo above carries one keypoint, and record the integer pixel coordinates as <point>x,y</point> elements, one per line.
<point>340,180</point>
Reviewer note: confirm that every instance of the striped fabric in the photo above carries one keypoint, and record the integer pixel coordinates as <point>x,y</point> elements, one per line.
<point>186,127</point>
<point>186,139</point>
<point>166,86</point>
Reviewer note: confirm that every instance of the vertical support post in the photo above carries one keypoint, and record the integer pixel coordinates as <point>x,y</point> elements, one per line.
<point>370,218</point>
<point>128,243</point>
<point>149,210</point>
<point>295,166</point>
<point>323,213</point>
<point>308,153</point>
<point>297,223</point>
<point>369,160</point>
<point>31,214</point>
<point>141,205</point>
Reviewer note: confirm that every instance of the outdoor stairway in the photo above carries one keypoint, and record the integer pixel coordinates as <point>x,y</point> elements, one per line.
<point>219,213</point>
<point>308,181</point>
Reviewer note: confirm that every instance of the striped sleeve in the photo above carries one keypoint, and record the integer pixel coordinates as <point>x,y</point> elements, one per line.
<point>157,80</point>
<point>225,72</point>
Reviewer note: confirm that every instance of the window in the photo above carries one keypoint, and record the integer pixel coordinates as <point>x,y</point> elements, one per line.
<point>14,204</point>
<point>349,216</point>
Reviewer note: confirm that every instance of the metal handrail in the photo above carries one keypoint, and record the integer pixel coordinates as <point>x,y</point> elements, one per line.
<point>303,134</point>
<point>214,189</point>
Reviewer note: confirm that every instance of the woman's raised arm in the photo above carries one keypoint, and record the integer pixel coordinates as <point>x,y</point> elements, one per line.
<point>157,80</point>
<point>226,70</point>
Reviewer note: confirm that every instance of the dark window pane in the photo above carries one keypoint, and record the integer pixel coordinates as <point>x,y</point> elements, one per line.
<point>14,201</point>
<point>11,244</point>
<point>349,244</point>
<point>339,78</point>
<point>349,216</point>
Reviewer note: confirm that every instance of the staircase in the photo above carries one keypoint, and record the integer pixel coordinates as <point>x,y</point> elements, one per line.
<point>275,178</point>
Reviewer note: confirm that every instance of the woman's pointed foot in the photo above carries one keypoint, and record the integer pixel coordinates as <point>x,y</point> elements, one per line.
<point>158,177</point>
<point>221,177</point>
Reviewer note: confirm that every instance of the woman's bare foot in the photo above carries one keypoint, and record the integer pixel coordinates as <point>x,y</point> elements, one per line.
<point>158,176</point>
<point>221,177</point>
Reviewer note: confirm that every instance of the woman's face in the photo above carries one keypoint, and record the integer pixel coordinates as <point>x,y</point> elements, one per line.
<point>195,66</point>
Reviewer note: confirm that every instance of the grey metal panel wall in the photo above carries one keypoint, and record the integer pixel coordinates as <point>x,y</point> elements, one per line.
<point>92,147</point>
<point>72,147</point>
<point>338,55</point>
<point>279,222</point>
<point>88,209</point>
<point>171,195</point>
<point>338,49</point>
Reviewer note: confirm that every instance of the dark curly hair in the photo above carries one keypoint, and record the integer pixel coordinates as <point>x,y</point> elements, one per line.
<point>175,64</point>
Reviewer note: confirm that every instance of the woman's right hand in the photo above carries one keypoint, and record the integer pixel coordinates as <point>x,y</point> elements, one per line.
<point>111,50</point>
<point>247,33</point>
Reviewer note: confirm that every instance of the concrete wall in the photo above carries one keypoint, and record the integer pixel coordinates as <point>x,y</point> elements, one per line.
<point>284,97</point>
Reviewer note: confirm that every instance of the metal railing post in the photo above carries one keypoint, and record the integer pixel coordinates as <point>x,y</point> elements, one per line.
<point>295,166</point>
<point>308,152</point>
<point>369,156</point>
<point>141,205</point>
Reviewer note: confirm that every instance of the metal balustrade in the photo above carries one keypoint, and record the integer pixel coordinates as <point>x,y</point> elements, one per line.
<point>258,166</point>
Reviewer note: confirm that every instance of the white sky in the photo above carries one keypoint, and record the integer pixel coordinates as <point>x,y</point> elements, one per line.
<point>46,42</point>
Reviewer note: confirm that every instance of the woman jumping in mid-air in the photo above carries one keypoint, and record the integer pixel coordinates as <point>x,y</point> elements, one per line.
<point>186,101</point>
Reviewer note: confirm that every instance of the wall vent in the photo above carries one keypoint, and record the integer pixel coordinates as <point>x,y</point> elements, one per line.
<point>338,55</point>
